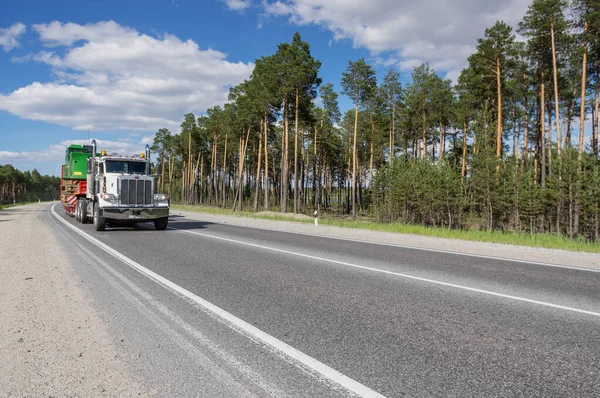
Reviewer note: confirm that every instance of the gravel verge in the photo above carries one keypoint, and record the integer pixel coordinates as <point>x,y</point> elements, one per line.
<point>52,342</point>
<point>512,252</point>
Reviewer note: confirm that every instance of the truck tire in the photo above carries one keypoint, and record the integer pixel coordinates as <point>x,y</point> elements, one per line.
<point>77,211</point>
<point>99,221</point>
<point>161,223</point>
<point>83,212</point>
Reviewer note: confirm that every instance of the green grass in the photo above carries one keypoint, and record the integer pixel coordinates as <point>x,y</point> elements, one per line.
<point>8,205</point>
<point>241,214</point>
<point>549,241</point>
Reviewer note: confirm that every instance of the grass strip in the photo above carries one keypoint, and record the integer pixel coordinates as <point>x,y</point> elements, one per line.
<point>546,240</point>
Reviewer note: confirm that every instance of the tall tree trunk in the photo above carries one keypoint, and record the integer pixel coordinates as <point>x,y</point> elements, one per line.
<point>537,146</point>
<point>499,121</point>
<point>314,165</point>
<point>195,179</point>
<point>424,136</point>
<point>433,141</point>
<point>464,152</point>
<point>183,178</point>
<point>595,119</point>
<point>273,190</point>
<point>391,152</point>
<point>543,132</point>
<point>171,164</point>
<point>526,127</point>
<point>302,170</point>
<point>416,148</point>
<point>162,171</point>
<point>296,156</point>
<point>258,167</point>
<point>212,171</point>
<point>216,171</point>
<point>570,117</point>
<point>319,166</point>
<point>571,208</point>
<point>202,178</point>
<point>454,146</point>
<point>515,135</point>
<point>266,127</point>
<point>347,186</point>
<point>284,155</point>
<point>243,148</point>
<point>354,159</point>
<point>371,154</point>
<point>596,221</point>
<point>392,125</point>
<point>282,161</point>
<point>223,172</point>
<point>581,133</point>
<point>442,139</point>
<point>237,184</point>
<point>549,143</point>
<point>556,104</point>
<point>404,142</point>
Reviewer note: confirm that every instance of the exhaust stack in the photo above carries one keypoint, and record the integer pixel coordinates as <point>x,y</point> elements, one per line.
<point>93,188</point>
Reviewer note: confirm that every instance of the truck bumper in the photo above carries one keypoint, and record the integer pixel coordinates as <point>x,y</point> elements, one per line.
<point>135,214</point>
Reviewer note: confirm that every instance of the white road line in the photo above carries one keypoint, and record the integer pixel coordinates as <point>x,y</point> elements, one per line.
<point>471,289</point>
<point>287,350</point>
<point>456,253</point>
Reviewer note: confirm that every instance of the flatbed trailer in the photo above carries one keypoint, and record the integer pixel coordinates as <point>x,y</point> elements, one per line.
<point>73,178</point>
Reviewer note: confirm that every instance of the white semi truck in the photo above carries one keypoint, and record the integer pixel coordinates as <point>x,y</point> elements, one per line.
<point>120,192</point>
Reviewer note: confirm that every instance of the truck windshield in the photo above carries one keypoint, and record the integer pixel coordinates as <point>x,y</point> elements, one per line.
<point>125,167</point>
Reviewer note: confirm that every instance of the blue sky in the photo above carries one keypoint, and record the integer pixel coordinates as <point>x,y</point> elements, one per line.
<point>118,71</point>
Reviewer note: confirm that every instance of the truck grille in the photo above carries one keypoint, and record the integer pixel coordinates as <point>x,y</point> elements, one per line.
<point>136,192</point>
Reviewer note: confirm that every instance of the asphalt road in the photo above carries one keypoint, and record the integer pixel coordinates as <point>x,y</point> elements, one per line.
<point>207,309</point>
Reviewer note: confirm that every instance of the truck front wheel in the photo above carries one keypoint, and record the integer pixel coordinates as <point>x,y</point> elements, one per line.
<point>83,212</point>
<point>161,223</point>
<point>99,221</point>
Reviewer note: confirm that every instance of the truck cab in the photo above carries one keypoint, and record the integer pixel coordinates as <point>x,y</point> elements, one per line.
<point>120,191</point>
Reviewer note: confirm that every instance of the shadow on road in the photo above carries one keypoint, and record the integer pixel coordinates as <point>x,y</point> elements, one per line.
<point>149,226</point>
<point>190,225</point>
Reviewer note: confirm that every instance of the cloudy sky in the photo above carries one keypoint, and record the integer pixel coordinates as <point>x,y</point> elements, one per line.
<point>119,70</point>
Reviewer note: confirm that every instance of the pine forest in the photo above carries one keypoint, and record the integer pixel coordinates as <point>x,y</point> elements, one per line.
<point>512,145</point>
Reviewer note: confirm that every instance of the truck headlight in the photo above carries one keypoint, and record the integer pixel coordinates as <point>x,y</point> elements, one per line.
<point>160,197</point>
<point>108,196</point>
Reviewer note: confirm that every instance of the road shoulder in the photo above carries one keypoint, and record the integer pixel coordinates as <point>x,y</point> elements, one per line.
<point>52,341</point>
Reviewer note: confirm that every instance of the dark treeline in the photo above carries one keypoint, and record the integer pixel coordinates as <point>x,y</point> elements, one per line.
<point>17,186</point>
<point>504,148</point>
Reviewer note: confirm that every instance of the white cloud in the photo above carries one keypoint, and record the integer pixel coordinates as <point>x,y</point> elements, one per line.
<point>55,154</point>
<point>439,32</point>
<point>9,36</point>
<point>238,5</point>
<point>278,8</point>
<point>110,77</point>
<point>66,34</point>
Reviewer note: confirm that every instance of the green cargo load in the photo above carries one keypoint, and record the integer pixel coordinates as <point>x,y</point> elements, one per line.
<point>75,162</point>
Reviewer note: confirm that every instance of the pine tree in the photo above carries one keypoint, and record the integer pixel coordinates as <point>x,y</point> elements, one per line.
<point>359,83</point>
